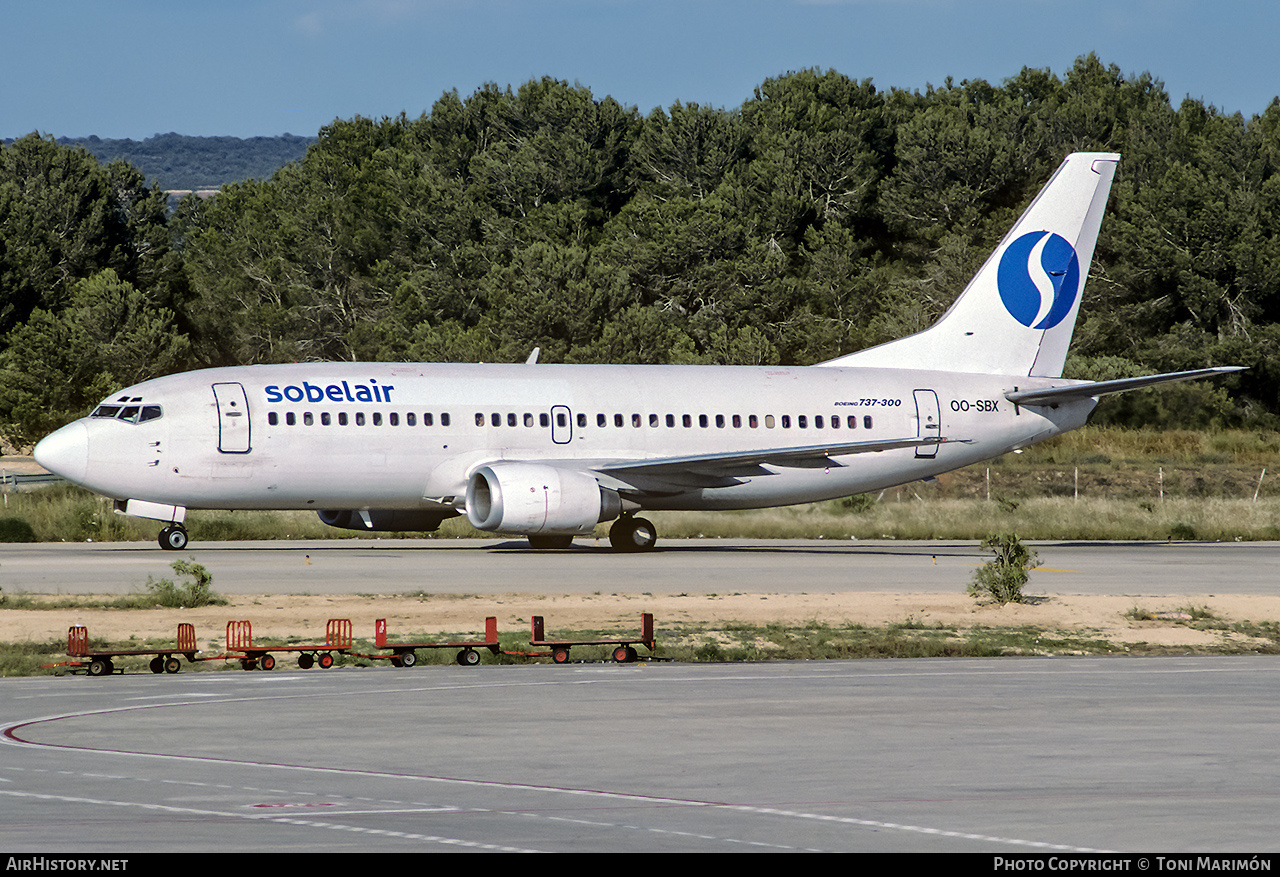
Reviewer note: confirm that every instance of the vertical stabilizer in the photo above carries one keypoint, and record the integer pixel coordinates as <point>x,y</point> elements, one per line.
<point>1017,314</point>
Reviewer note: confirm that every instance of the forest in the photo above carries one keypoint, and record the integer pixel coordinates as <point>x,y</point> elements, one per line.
<point>821,216</point>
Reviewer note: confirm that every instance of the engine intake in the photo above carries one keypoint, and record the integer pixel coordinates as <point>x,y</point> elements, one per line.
<point>533,498</point>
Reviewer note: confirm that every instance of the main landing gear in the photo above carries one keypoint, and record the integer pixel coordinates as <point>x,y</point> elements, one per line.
<point>630,533</point>
<point>173,537</point>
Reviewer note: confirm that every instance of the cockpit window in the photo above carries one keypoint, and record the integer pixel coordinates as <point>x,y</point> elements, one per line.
<point>129,413</point>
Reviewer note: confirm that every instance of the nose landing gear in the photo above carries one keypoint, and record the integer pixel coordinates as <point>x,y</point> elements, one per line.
<point>173,537</point>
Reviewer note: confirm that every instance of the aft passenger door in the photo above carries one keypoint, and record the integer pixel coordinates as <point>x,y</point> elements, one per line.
<point>234,430</point>
<point>928,422</point>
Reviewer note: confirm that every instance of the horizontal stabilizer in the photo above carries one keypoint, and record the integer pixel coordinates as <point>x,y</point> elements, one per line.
<point>1089,389</point>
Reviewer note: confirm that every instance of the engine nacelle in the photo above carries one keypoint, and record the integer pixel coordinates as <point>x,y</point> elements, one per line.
<point>385,520</point>
<point>532,498</point>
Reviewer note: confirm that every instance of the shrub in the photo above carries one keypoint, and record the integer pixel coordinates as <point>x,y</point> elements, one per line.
<point>198,593</point>
<point>16,530</point>
<point>1002,579</point>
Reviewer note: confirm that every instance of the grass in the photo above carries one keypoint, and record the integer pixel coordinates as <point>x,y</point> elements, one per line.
<point>1093,483</point>
<point>736,643</point>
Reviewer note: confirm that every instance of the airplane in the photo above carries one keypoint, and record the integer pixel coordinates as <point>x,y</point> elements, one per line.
<point>549,451</point>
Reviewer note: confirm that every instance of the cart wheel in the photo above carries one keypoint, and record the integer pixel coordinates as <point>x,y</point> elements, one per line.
<point>620,655</point>
<point>560,656</point>
<point>100,667</point>
<point>306,662</point>
<point>172,665</point>
<point>248,663</point>
<point>407,659</point>
<point>157,664</point>
<point>268,662</point>
<point>468,657</point>
<point>326,661</point>
<point>632,654</point>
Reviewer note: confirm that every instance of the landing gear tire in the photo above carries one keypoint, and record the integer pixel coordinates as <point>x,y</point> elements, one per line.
<point>633,534</point>
<point>468,658</point>
<point>173,538</point>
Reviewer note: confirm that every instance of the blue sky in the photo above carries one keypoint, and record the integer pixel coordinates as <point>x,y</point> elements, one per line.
<point>133,68</point>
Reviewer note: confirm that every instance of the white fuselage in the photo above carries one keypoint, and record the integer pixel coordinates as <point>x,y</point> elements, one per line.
<point>409,436</point>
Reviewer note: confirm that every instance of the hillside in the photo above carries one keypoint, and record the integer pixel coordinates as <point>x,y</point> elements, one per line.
<point>175,161</point>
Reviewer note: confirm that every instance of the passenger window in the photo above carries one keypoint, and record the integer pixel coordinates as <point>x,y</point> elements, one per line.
<point>272,418</point>
<point>737,421</point>
<point>753,421</point>
<point>601,420</point>
<point>359,418</point>
<point>786,421</point>
<point>479,419</point>
<point>324,418</point>
<point>428,419</point>
<point>719,421</point>
<point>653,420</point>
<point>687,421</point>
<point>617,420</point>
<point>444,419</point>
<point>377,418</point>
<point>342,418</point>
<point>702,421</point>
<point>495,418</point>
<point>307,419</point>
<point>528,419</point>
<point>544,420</point>
<point>511,419</point>
<point>853,421</point>
<point>561,420</point>
<point>866,422</point>
<point>582,419</point>
<point>411,420</point>
<point>835,422</point>
<point>802,422</point>
<point>768,421</point>
<point>289,418</point>
<point>635,420</point>
<point>817,421</point>
<point>671,420</point>
<point>393,419</point>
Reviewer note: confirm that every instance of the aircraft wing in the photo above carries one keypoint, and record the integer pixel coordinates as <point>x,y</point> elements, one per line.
<point>675,474</point>
<point>1088,389</point>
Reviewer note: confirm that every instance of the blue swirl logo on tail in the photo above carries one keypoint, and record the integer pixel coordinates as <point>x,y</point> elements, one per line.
<point>1039,278</point>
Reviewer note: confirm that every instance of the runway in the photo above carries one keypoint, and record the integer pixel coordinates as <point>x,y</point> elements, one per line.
<point>480,566</point>
<point>1006,756</point>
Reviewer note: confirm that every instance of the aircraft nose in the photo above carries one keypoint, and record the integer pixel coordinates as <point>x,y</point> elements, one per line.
<point>65,452</point>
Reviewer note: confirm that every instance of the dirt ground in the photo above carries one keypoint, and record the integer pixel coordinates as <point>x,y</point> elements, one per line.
<point>305,616</point>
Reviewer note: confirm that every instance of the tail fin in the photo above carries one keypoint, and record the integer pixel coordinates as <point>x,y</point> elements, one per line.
<point>1017,314</point>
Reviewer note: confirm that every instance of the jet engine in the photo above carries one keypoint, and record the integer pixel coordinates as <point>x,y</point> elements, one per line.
<point>385,520</point>
<point>532,498</point>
